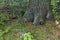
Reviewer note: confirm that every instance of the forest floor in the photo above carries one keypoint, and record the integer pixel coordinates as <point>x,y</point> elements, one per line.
<point>49,31</point>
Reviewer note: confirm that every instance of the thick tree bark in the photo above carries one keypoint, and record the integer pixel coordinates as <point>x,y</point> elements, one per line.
<point>38,11</point>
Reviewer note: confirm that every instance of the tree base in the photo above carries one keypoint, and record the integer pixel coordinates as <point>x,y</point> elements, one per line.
<point>38,12</point>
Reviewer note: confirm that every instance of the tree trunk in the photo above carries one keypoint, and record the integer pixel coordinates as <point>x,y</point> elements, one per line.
<point>38,11</point>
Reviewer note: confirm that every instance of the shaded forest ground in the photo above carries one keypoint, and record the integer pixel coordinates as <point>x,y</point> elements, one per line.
<point>49,31</point>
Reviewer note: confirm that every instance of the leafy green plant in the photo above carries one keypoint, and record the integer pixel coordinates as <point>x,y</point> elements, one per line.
<point>55,9</point>
<point>26,36</point>
<point>3,32</point>
<point>1,21</point>
<point>3,29</point>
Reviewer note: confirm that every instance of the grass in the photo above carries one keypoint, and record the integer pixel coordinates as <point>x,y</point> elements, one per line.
<point>13,31</point>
